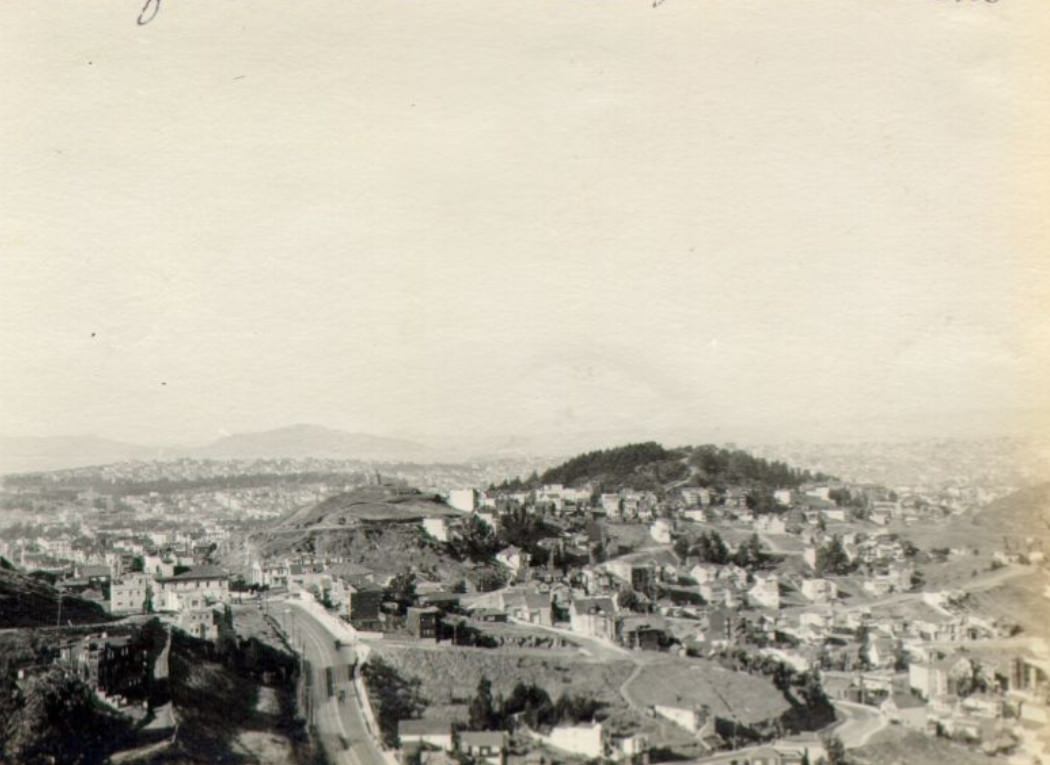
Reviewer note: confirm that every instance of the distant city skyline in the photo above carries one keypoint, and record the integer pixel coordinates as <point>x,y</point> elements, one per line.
<point>644,223</point>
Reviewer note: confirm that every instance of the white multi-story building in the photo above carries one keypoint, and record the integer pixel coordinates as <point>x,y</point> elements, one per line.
<point>196,588</point>
<point>129,595</point>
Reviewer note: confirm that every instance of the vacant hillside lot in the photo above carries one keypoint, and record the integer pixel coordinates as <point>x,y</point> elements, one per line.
<point>897,745</point>
<point>450,676</point>
<point>694,682</point>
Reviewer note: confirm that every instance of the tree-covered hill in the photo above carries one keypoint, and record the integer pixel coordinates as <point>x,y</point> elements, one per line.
<point>651,466</point>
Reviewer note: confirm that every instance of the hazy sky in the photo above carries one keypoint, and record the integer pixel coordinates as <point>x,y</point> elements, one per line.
<point>481,218</point>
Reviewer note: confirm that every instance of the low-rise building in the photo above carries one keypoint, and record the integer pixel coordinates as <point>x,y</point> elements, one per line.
<point>584,740</point>
<point>514,558</point>
<point>197,588</point>
<point>426,733</point>
<point>939,677</point>
<point>423,622</point>
<point>697,720</point>
<point>766,591</point>
<point>488,746</point>
<point>593,617</point>
<point>819,590</point>
<point>130,594</point>
<point>528,606</point>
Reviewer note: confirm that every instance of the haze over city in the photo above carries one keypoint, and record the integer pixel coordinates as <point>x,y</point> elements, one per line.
<point>523,241</point>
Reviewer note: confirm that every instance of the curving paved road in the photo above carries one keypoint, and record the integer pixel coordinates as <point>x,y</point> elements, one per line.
<point>858,725</point>
<point>338,718</point>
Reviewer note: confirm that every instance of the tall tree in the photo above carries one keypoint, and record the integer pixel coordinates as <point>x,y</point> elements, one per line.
<point>482,712</point>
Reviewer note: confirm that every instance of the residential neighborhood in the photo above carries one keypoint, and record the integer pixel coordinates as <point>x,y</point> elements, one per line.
<point>568,620</point>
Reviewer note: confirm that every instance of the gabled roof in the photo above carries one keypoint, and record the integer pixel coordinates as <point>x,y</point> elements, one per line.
<point>201,572</point>
<point>530,599</point>
<point>604,606</point>
<point>495,739</point>
<point>424,727</point>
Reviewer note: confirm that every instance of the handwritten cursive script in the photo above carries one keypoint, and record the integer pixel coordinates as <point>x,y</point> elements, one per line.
<point>149,12</point>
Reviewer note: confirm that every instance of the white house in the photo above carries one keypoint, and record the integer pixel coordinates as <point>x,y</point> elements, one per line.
<point>196,588</point>
<point>770,523</point>
<point>611,504</point>
<point>488,746</point>
<point>819,590</point>
<point>593,617</point>
<point>660,531</point>
<point>766,591</point>
<point>704,572</point>
<point>586,740</point>
<point>809,555</point>
<point>527,606</point>
<point>695,514</point>
<point>697,720</point>
<point>427,733</point>
<point>129,594</point>
<point>436,527</point>
<point>514,558</point>
<point>463,499</point>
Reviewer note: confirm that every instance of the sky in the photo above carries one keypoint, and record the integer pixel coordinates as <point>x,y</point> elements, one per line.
<point>477,220</point>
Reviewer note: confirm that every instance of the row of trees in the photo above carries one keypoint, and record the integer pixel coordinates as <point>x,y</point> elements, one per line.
<point>832,558</point>
<point>709,547</point>
<point>529,702</point>
<point>733,467</point>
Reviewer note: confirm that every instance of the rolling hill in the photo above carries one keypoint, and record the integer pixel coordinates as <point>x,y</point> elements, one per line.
<point>386,503</point>
<point>32,454</point>
<point>314,441</point>
<point>373,526</point>
<point>650,466</point>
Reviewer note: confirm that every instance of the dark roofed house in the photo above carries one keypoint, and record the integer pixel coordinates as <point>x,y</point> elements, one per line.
<point>96,574</point>
<point>113,665</point>
<point>364,600</point>
<point>445,601</point>
<point>594,617</point>
<point>423,622</point>
<point>648,633</point>
<point>197,588</point>
<point>488,615</point>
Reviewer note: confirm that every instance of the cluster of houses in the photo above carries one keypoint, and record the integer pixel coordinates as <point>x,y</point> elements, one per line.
<point>116,667</point>
<point>436,742</point>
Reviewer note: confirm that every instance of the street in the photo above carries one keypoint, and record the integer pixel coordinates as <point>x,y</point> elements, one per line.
<point>337,717</point>
<point>858,725</point>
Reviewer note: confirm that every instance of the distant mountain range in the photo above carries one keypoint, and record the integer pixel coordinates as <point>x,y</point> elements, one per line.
<point>315,441</point>
<point>28,454</point>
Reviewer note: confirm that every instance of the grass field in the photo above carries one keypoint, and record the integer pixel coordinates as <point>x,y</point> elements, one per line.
<point>691,682</point>
<point>1019,600</point>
